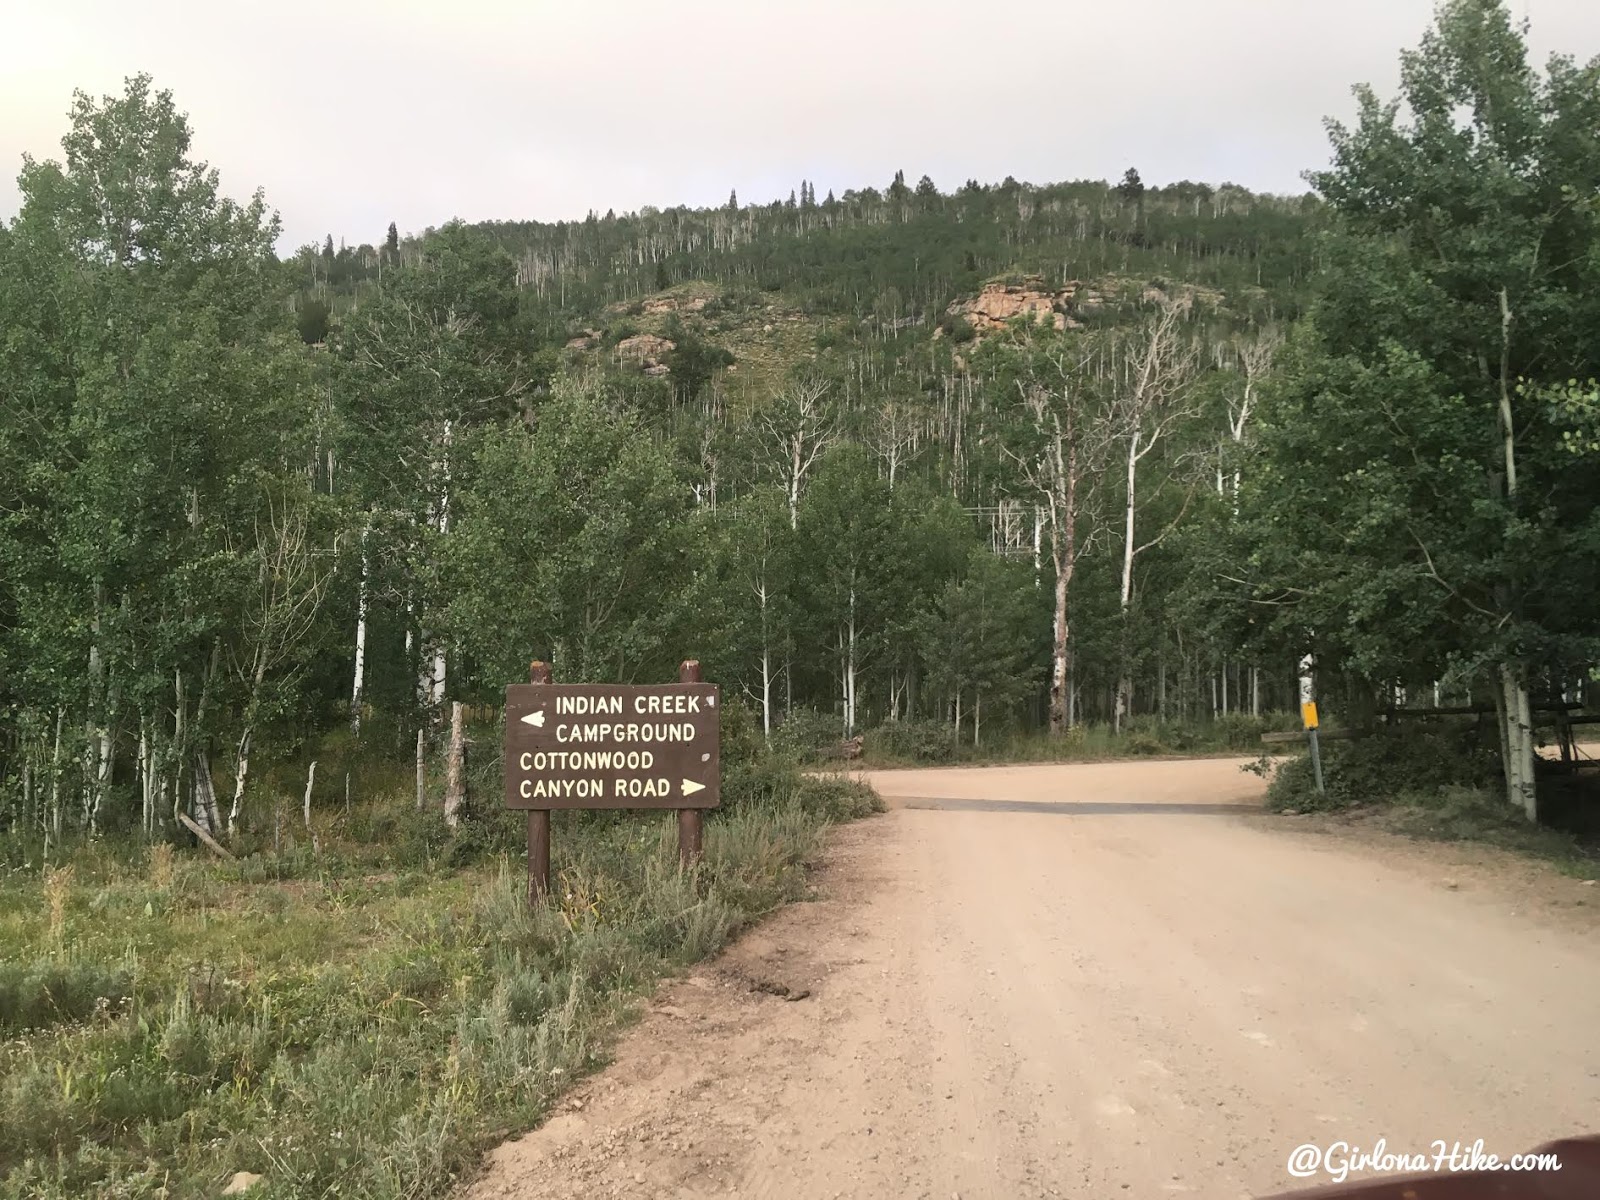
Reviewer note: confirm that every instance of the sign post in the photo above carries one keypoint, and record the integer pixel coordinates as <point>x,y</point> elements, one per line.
<point>603,745</point>
<point>691,826</point>
<point>1308,717</point>
<point>538,818</point>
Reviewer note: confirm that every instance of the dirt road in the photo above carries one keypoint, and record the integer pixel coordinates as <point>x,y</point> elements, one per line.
<point>1095,981</point>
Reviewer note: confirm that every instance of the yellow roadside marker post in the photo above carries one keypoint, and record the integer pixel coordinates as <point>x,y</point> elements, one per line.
<point>1308,715</point>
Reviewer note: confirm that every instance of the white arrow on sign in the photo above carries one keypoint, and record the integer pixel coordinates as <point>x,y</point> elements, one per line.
<point>690,787</point>
<point>534,718</point>
<point>711,701</point>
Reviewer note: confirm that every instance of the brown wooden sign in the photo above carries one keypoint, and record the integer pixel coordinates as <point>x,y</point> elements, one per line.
<point>602,745</point>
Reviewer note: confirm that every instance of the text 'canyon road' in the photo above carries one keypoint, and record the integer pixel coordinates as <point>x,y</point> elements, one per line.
<point>602,745</point>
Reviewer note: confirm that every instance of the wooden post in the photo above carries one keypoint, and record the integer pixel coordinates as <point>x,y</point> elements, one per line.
<point>691,828</point>
<point>538,820</point>
<point>311,776</point>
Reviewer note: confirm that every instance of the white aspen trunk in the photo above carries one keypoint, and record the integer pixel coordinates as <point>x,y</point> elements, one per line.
<point>205,796</point>
<point>766,692</point>
<point>359,683</point>
<point>958,714</point>
<point>766,665</point>
<point>1516,712</point>
<point>455,787</point>
<point>241,773</point>
<point>104,754</point>
<point>438,671</point>
<point>55,779</point>
<point>1122,708</point>
<point>146,779</point>
<point>977,718</point>
<point>422,771</point>
<point>1036,547</point>
<point>242,763</point>
<point>311,776</point>
<point>91,729</point>
<point>1060,703</point>
<point>1508,434</point>
<point>1255,691</point>
<point>444,491</point>
<point>794,484</point>
<point>437,677</point>
<point>180,746</point>
<point>1224,687</point>
<point>850,672</point>
<point>105,744</point>
<point>1517,743</point>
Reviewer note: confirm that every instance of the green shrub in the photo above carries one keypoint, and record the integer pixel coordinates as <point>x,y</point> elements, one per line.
<point>808,735</point>
<point>911,741</point>
<point>839,798</point>
<point>620,332</point>
<point>1142,743</point>
<point>1241,731</point>
<point>1387,764</point>
<point>957,328</point>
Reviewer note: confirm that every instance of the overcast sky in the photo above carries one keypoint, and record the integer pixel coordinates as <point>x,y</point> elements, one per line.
<point>353,113</point>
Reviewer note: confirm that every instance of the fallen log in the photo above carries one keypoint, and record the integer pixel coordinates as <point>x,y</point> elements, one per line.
<point>206,839</point>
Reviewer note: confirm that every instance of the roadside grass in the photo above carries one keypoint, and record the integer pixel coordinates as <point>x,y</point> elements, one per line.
<point>1462,814</point>
<point>362,1014</point>
<point>1441,782</point>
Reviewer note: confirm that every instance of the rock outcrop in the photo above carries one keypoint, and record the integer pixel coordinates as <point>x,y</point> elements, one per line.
<point>1000,302</point>
<point>648,350</point>
<point>645,346</point>
<point>667,304</point>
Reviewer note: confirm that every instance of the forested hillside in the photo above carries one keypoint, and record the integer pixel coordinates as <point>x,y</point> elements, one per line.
<point>963,463</point>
